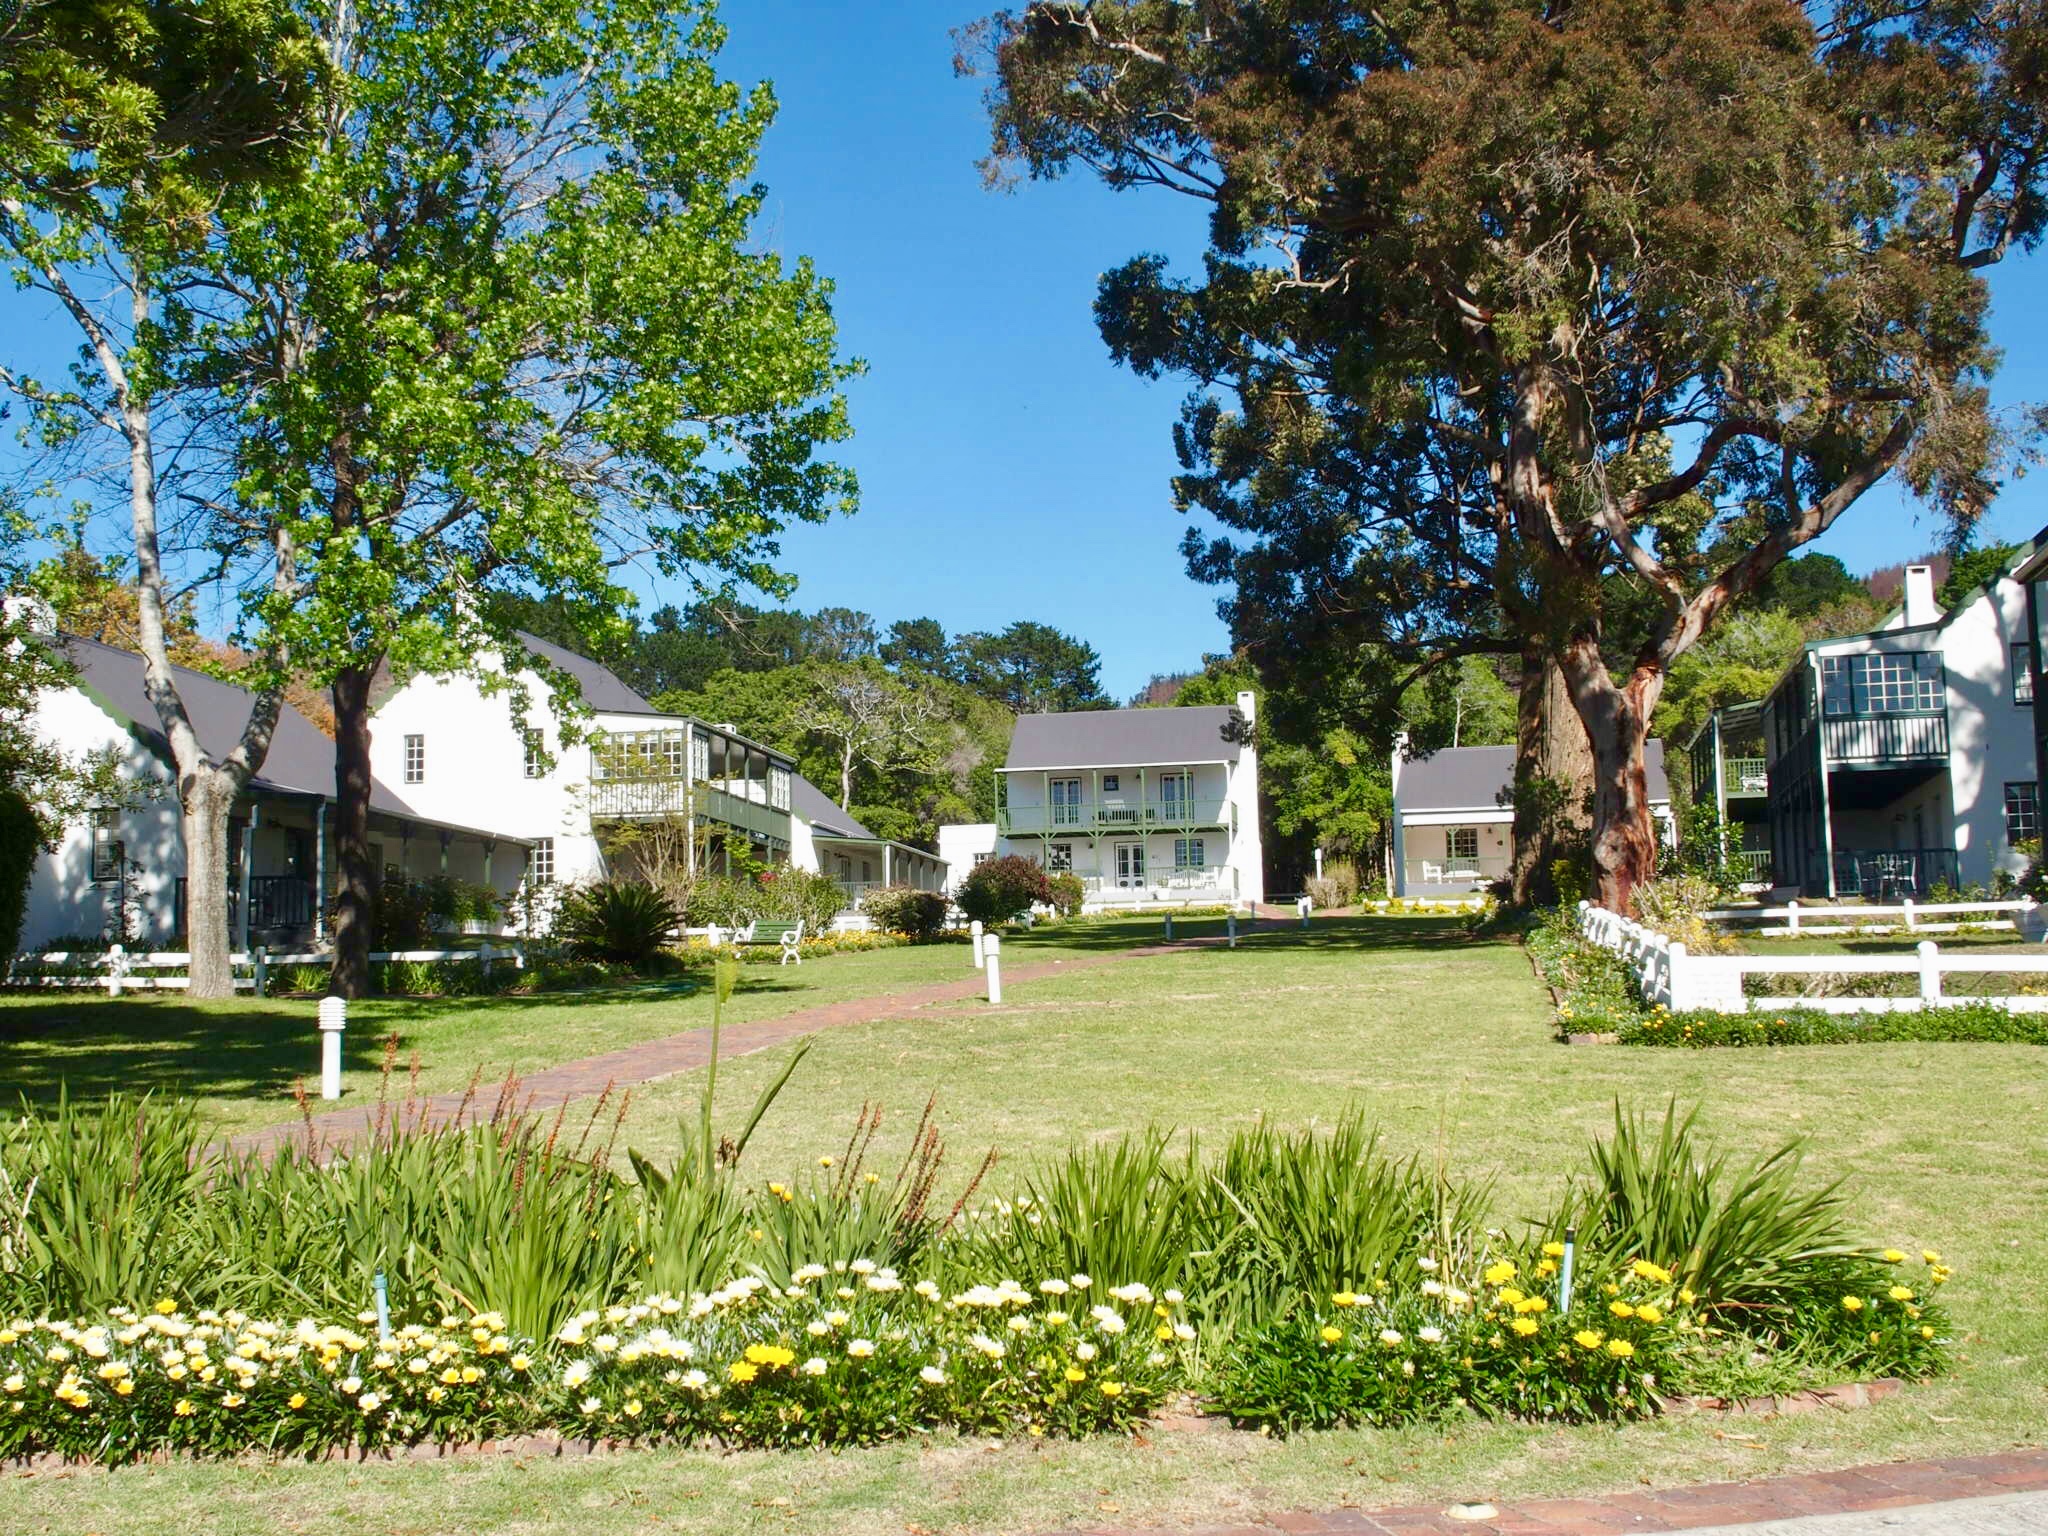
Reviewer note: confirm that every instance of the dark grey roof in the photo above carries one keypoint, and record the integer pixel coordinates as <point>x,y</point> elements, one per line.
<point>824,813</point>
<point>301,756</point>
<point>1475,778</point>
<point>600,687</point>
<point>1122,738</point>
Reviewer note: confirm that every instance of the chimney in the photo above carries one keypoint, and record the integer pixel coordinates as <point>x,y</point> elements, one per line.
<point>1920,606</point>
<point>1248,706</point>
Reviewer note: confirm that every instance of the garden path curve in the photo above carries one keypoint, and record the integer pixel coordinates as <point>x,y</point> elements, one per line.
<point>650,1060</point>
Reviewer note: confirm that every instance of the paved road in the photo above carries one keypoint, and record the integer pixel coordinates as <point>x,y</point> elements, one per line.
<point>2011,1514</point>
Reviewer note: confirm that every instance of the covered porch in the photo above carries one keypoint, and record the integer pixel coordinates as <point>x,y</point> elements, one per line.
<point>863,864</point>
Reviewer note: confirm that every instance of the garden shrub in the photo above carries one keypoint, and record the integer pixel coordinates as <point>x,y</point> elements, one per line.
<point>619,922</point>
<point>1336,889</point>
<point>1597,989</point>
<point>996,890</point>
<point>1676,906</point>
<point>905,909</point>
<point>1067,892</point>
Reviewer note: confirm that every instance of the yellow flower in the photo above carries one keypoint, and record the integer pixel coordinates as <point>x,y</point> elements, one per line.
<point>1852,1303</point>
<point>183,1408</point>
<point>1546,1266</point>
<point>1511,1296</point>
<point>1075,1373</point>
<point>1930,1255</point>
<point>1332,1335</point>
<point>770,1354</point>
<point>165,1306</point>
<point>825,1162</point>
<point>1345,1299</point>
<point>1500,1272</point>
<point>1621,1349</point>
<point>1650,1314</point>
<point>1686,1296</point>
<point>297,1401</point>
<point>1532,1304</point>
<point>632,1408</point>
<point>1587,1338</point>
<point>1926,1332</point>
<point>1645,1270</point>
<point>1621,1309</point>
<point>1893,1256</point>
<point>1900,1293</point>
<point>741,1371</point>
<point>1553,1250</point>
<point>124,1388</point>
<point>1524,1326</point>
<point>520,1362</point>
<point>1112,1388</point>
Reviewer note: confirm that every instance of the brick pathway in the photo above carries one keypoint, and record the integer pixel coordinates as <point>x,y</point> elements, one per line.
<point>1895,1485</point>
<point>653,1059</point>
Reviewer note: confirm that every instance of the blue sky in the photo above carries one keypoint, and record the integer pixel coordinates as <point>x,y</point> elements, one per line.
<point>1008,470</point>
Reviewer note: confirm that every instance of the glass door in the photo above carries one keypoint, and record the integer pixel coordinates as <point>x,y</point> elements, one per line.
<point>1130,865</point>
<point>1066,802</point>
<point>1173,798</point>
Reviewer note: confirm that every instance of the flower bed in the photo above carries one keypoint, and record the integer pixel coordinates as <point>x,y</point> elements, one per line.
<point>1966,1022</point>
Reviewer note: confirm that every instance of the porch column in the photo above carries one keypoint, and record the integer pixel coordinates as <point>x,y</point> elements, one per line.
<point>248,872</point>
<point>887,877</point>
<point>1820,752</point>
<point>320,872</point>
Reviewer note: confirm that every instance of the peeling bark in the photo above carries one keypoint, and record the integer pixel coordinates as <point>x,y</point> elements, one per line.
<point>1553,772</point>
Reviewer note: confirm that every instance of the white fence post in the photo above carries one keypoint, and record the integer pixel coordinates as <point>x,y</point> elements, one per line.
<point>333,1020</point>
<point>1907,904</point>
<point>260,968</point>
<point>1930,973</point>
<point>1678,982</point>
<point>1792,915</point>
<point>117,966</point>
<point>975,942</point>
<point>992,966</point>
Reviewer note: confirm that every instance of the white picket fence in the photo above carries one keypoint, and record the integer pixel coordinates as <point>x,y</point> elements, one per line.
<point>1683,982</point>
<point>121,971</point>
<point>2021,915</point>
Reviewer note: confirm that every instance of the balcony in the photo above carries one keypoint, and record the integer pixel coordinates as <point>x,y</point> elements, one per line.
<point>1741,776</point>
<point>1884,739</point>
<point>1888,875</point>
<point>1751,866</point>
<point>1114,816</point>
<point>626,799</point>
<point>1181,885</point>
<point>1463,873</point>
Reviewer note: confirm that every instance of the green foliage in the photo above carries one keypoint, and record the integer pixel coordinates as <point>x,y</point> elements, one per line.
<point>996,890</point>
<point>1066,892</point>
<point>1596,988</point>
<point>21,843</point>
<point>1979,566</point>
<point>905,909</point>
<point>1795,1025</point>
<point>616,921</point>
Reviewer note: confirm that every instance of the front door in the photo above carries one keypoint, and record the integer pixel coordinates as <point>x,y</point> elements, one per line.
<point>1130,865</point>
<point>1066,802</point>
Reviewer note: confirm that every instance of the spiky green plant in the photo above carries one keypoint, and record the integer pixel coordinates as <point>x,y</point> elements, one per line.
<point>621,922</point>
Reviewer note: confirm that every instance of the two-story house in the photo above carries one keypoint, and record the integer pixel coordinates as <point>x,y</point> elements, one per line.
<point>1146,806</point>
<point>450,742</point>
<point>1902,759</point>
<point>1731,772</point>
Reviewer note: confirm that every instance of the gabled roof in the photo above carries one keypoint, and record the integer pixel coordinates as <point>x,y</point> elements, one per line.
<point>301,757</point>
<point>826,815</point>
<point>600,686</point>
<point>1122,738</point>
<point>1475,778</point>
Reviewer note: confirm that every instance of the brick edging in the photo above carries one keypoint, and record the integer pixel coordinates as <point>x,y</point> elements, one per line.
<point>1889,1485</point>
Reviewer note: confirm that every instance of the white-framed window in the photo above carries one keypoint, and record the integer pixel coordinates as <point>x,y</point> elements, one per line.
<point>106,847</point>
<point>1109,783</point>
<point>1462,844</point>
<point>536,744</point>
<point>1173,795</point>
<point>1905,684</point>
<point>1059,856</point>
<point>778,786</point>
<point>984,856</point>
<point>1066,802</point>
<point>1188,853</point>
<point>540,862</point>
<point>415,759</point>
<point>2022,812</point>
<point>2022,674</point>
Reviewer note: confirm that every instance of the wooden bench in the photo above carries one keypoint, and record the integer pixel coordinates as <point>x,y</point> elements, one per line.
<point>789,935</point>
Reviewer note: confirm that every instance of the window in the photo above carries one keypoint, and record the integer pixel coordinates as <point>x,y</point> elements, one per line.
<point>1187,853</point>
<point>2022,813</point>
<point>1908,684</point>
<point>106,848</point>
<point>1462,844</point>
<point>2023,674</point>
<point>540,862</point>
<point>1066,802</point>
<point>984,857</point>
<point>536,754</point>
<point>1109,782</point>
<point>778,788</point>
<point>1173,795</point>
<point>1059,856</point>
<point>415,759</point>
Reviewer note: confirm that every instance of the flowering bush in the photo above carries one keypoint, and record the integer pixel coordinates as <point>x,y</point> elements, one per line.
<point>905,909</point>
<point>848,1354</point>
<point>1982,1022</point>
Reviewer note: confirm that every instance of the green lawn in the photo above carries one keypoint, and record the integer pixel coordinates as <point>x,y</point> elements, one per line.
<point>238,1060</point>
<point>1449,1045</point>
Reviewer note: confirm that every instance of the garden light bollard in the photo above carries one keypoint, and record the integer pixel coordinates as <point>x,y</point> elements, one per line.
<point>1230,923</point>
<point>1930,973</point>
<point>992,966</point>
<point>1302,905</point>
<point>1792,915</point>
<point>974,942</point>
<point>1564,1279</point>
<point>333,1020</point>
<point>117,968</point>
<point>383,1295</point>
<point>1169,927</point>
<point>259,967</point>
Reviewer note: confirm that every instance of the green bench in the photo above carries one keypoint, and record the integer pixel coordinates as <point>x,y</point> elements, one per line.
<point>789,935</point>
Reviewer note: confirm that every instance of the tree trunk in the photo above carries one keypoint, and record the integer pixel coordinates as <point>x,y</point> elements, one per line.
<point>1617,722</point>
<point>355,899</point>
<point>205,797</point>
<point>1553,772</point>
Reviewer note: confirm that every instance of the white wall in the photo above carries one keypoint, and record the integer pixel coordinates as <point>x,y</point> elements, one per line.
<point>1991,740</point>
<point>62,899</point>
<point>958,846</point>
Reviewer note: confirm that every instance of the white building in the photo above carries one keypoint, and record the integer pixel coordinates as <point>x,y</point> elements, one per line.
<point>454,745</point>
<point>1146,806</point>
<point>1897,760</point>
<point>119,875</point>
<point>1454,817</point>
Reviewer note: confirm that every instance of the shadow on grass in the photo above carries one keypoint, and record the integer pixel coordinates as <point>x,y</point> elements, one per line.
<point>1359,935</point>
<point>90,1046</point>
